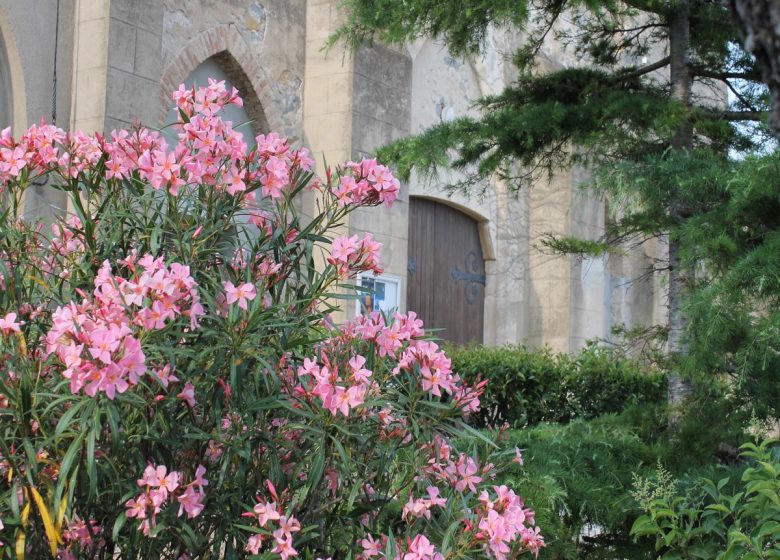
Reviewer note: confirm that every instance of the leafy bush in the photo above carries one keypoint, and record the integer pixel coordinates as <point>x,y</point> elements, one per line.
<point>171,386</point>
<point>714,523</point>
<point>526,387</point>
<point>579,477</point>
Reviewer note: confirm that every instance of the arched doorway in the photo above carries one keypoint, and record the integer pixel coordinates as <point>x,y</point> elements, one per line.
<point>446,271</point>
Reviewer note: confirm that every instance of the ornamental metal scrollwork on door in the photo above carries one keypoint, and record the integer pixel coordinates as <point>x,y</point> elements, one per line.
<point>473,275</point>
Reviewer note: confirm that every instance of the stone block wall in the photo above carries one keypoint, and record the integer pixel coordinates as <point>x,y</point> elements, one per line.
<point>134,63</point>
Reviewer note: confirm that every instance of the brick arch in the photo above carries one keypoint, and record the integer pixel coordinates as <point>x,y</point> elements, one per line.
<point>225,44</point>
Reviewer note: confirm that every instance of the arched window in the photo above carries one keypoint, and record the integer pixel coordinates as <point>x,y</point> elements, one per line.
<point>249,119</point>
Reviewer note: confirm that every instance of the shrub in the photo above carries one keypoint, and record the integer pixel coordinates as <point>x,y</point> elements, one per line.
<point>171,385</point>
<point>711,522</point>
<point>526,387</point>
<point>579,478</point>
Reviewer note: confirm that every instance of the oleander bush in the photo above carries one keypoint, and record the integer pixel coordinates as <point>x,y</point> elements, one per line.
<point>171,384</point>
<point>529,386</point>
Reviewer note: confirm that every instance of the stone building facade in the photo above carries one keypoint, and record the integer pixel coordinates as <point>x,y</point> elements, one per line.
<point>97,65</point>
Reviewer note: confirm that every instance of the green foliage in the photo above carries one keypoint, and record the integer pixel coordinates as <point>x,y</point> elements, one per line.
<point>526,386</point>
<point>462,26</point>
<point>732,238</point>
<point>579,475</point>
<point>587,478</point>
<point>735,310</point>
<point>609,107</point>
<point>715,523</point>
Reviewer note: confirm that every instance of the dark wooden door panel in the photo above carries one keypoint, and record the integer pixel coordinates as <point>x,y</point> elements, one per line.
<point>446,281</point>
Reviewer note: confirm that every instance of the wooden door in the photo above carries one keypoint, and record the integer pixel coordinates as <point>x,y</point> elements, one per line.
<point>446,271</point>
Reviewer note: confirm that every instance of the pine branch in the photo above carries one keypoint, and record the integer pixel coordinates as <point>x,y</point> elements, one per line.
<point>742,115</point>
<point>642,70</point>
<point>699,72</point>
<point>742,99</point>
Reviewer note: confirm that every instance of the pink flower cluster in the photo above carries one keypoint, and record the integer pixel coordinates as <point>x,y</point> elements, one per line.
<point>461,473</point>
<point>9,324</point>
<point>160,486</point>
<point>421,507</point>
<point>351,255</point>
<point>205,141</point>
<point>368,183</point>
<point>65,239</point>
<point>337,394</point>
<point>209,151</point>
<point>282,526</point>
<point>43,148</point>
<point>417,548</point>
<point>343,384</point>
<point>96,339</point>
<point>503,520</point>
<point>278,164</point>
<point>81,534</point>
<point>435,367</point>
<point>402,339</point>
<point>34,153</point>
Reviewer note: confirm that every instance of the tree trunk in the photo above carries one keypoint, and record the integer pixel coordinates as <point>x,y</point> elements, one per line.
<point>680,276</point>
<point>759,24</point>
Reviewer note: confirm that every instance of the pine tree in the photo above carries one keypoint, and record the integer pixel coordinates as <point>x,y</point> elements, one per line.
<point>627,118</point>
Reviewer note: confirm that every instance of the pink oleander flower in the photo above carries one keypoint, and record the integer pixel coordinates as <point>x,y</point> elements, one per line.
<point>165,376</point>
<point>98,339</point>
<point>9,324</point>
<point>420,548</point>
<point>284,548</point>
<point>241,294</point>
<point>466,470</point>
<point>266,512</point>
<point>254,543</point>
<point>352,255</point>
<point>371,547</point>
<point>191,501</point>
<point>137,507</point>
<point>188,394</point>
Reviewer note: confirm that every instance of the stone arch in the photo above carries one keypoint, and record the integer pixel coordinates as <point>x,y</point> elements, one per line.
<point>11,63</point>
<point>225,44</point>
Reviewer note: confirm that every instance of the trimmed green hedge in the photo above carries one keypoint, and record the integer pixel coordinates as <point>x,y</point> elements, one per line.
<point>527,386</point>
